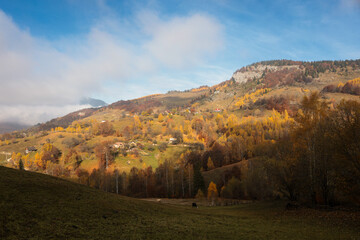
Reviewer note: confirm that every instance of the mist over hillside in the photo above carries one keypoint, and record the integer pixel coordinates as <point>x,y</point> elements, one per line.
<point>24,117</point>
<point>6,127</point>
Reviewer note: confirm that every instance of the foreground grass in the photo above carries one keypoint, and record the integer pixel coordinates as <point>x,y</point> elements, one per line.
<point>36,206</point>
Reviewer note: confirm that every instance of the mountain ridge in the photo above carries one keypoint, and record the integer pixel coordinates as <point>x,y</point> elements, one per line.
<point>302,71</point>
<point>269,71</point>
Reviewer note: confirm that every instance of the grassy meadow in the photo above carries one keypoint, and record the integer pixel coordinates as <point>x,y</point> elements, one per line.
<point>37,206</point>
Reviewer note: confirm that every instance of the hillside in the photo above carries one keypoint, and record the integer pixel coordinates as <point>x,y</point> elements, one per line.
<point>64,121</point>
<point>164,144</point>
<point>36,206</point>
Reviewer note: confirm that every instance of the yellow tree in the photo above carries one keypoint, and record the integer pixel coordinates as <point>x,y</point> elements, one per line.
<point>38,160</point>
<point>78,128</point>
<point>187,127</point>
<point>160,118</point>
<point>13,156</point>
<point>70,129</point>
<point>219,121</point>
<point>212,193</point>
<point>210,164</point>
<point>181,129</point>
<point>27,161</point>
<point>232,121</point>
<point>137,122</point>
<point>59,129</point>
<point>199,194</point>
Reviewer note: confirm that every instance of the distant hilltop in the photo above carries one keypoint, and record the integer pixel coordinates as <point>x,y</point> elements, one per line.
<point>11,126</point>
<point>93,102</point>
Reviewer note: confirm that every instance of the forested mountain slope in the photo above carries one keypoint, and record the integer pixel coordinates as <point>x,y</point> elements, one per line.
<point>161,145</point>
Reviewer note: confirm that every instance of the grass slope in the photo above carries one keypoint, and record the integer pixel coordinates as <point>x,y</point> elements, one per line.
<point>36,206</point>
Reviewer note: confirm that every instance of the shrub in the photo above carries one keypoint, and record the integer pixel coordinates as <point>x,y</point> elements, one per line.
<point>85,148</point>
<point>162,147</point>
<point>200,194</point>
<point>71,142</point>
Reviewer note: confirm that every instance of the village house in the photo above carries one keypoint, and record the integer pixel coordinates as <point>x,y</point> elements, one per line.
<point>132,145</point>
<point>118,145</point>
<point>173,141</point>
<point>30,149</point>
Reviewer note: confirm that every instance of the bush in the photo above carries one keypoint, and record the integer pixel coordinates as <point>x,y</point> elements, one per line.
<point>178,135</point>
<point>103,128</point>
<point>200,195</point>
<point>162,147</point>
<point>71,142</point>
<point>85,148</point>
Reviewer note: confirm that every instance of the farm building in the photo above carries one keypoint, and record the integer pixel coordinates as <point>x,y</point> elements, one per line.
<point>173,141</point>
<point>30,149</point>
<point>118,145</point>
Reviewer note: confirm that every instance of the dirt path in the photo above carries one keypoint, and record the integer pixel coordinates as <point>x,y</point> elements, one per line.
<point>199,202</point>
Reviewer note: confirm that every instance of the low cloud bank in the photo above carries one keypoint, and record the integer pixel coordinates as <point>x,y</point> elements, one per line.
<point>41,79</point>
<point>31,115</point>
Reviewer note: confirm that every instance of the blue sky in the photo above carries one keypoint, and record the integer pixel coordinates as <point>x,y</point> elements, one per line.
<point>54,52</point>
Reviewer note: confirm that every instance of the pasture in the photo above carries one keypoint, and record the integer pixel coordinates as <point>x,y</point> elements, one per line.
<point>37,206</point>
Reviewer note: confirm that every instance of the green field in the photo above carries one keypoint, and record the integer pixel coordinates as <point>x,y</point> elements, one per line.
<point>37,206</point>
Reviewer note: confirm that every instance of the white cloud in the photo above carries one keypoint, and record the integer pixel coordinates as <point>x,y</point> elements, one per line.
<point>31,71</point>
<point>182,41</point>
<point>35,114</point>
<point>38,75</point>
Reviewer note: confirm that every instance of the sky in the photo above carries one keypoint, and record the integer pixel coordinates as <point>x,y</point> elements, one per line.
<point>55,52</point>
